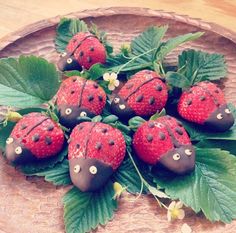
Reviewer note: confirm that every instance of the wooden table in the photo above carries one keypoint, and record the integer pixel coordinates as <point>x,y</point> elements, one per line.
<point>15,14</point>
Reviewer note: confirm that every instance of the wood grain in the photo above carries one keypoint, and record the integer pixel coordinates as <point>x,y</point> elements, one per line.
<point>35,205</point>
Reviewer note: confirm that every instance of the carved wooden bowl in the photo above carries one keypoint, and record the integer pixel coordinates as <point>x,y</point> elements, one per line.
<point>30,205</point>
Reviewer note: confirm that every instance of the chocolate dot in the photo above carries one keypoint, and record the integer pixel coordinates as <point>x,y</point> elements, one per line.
<point>89,59</point>
<point>48,141</point>
<point>80,127</point>
<point>179,124</point>
<point>179,131</point>
<point>74,40</point>
<point>23,127</point>
<point>159,88</point>
<point>189,102</point>
<point>95,85</point>
<point>104,130</point>
<point>72,92</point>
<point>149,137</point>
<point>90,98</point>
<point>91,48</point>
<point>111,142</point>
<point>139,98</point>
<point>216,91</point>
<point>151,100</point>
<point>98,145</point>
<point>50,127</point>
<point>35,138</point>
<point>81,53</point>
<point>202,98</point>
<point>129,86</point>
<point>151,124</point>
<point>100,98</point>
<point>74,79</point>
<point>77,146</point>
<point>168,117</point>
<point>162,136</point>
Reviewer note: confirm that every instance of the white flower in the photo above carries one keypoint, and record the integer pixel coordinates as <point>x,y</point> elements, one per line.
<point>186,228</point>
<point>112,79</point>
<point>175,211</point>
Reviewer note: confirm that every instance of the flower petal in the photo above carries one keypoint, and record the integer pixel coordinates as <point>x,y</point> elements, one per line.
<point>117,83</point>
<point>113,75</point>
<point>186,228</point>
<point>111,87</point>
<point>169,218</point>
<point>106,76</point>
<point>172,205</point>
<point>181,214</point>
<point>179,205</point>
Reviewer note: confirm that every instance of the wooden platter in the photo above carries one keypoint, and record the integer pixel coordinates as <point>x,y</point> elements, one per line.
<point>30,205</point>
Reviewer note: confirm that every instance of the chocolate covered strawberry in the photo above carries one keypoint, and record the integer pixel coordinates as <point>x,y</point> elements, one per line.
<point>83,50</point>
<point>165,141</point>
<point>96,150</point>
<point>143,95</point>
<point>205,104</point>
<point>35,136</point>
<point>79,97</point>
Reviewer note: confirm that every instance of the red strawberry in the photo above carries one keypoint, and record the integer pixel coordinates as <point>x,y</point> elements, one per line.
<point>144,94</point>
<point>96,150</point>
<point>205,104</point>
<point>35,136</point>
<point>83,50</point>
<point>165,141</point>
<point>79,97</point>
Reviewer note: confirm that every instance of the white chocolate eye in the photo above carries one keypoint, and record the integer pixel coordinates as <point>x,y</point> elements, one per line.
<point>68,111</point>
<point>9,141</point>
<point>176,156</point>
<point>18,150</point>
<point>69,61</point>
<point>93,170</point>
<point>227,111</point>
<point>63,54</point>
<point>188,152</point>
<point>116,100</point>
<point>77,168</point>
<point>83,114</point>
<point>219,116</point>
<point>122,106</point>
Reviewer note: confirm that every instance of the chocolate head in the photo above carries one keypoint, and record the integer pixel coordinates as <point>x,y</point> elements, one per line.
<point>16,153</point>
<point>89,174</point>
<point>121,108</point>
<point>70,115</point>
<point>180,160</point>
<point>220,120</point>
<point>68,62</point>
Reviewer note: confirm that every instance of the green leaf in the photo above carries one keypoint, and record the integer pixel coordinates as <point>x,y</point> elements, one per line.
<point>4,134</point>
<point>172,43</point>
<point>97,118</point>
<point>96,71</point>
<point>158,114</point>
<point>73,73</point>
<point>58,175</point>
<point>27,81</point>
<point>66,29</point>
<point>83,212</point>
<point>43,164</point>
<point>110,119</point>
<point>177,79</point>
<point>135,122</point>
<point>210,188</point>
<point>200,66</point>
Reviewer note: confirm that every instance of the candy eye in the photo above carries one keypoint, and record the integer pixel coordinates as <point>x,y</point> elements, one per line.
<point>63,54</point>
<point>77,168</point>
<point>227,111</point>
<point>219,116</point>
<point>188,152</point>
<point>18,150</point>
<point>83,114</point>
<point>116,100</point>
<point>176,156</point>
<point>69,61</point>
<point>9,141</point>
<point>93,170</point>
<point>122,106</point>
<point>68,111</point>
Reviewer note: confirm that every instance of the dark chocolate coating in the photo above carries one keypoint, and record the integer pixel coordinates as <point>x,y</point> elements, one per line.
<point>184,165</point>
<point>72,119</point>
<point>220,125</point>
<point>86,181</point>
<point>124,114</point>
<point>63,65</point>
<point>25,157</point>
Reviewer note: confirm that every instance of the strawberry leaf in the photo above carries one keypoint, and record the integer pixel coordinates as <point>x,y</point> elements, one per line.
<point>84,211</point>
<point>27,81</point>
<point>211,188</point>
<point>66,29</point>
<point>176,79</point>
<point>58,175</point>
<point>135,122</point>
<point>200,66</point>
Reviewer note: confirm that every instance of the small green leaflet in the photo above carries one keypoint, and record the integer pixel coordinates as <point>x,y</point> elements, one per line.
<point>24,82</point>
<point>135,122</point>
<point>176,79</point>
<point>210,188</point>
<point>58,175</point>
<point>84,211</point>
<point>199,66</point>
<point>66,29</point>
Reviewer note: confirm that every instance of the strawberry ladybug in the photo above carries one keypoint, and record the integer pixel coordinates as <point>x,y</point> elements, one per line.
<point>35,136</point>
<point>83,50</point>
<point>165,141</point>
<point>205,104</point>
<point>79,97</point>
<point>96,150</point>
<point>143,95</point>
